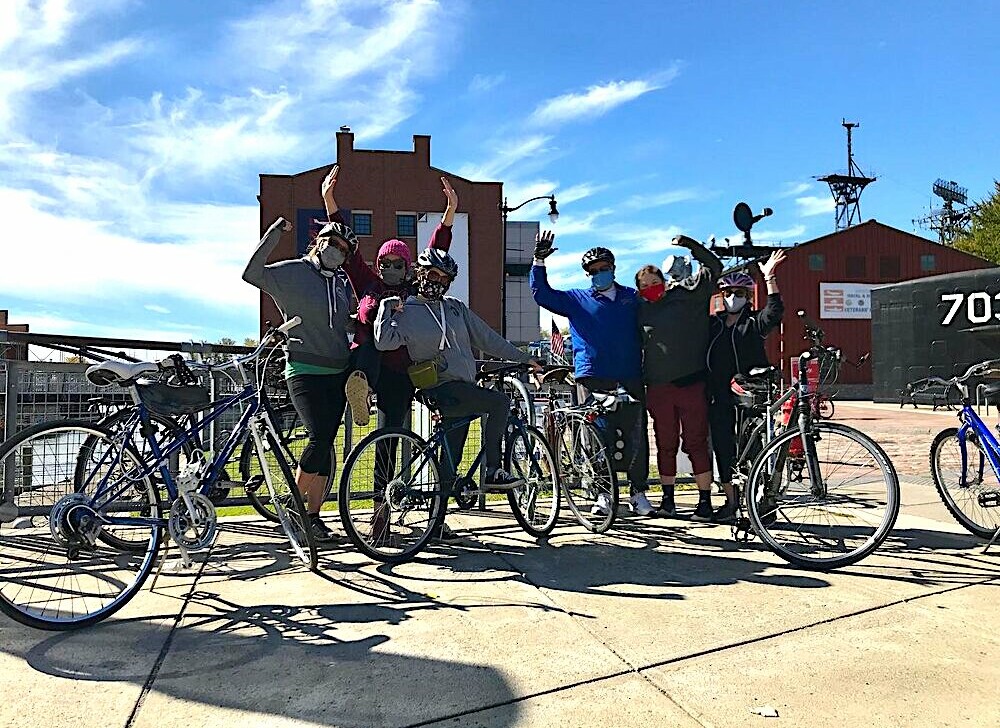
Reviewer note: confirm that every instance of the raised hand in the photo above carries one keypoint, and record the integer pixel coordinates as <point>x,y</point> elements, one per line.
<point>450,194</point>
<point>330,182</point>
<point>776,259</point>
<point>286,226</point>
<point>543,245</point>
<point>683,241</point>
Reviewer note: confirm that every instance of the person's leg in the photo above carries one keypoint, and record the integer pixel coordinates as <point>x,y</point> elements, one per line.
<point>635,425</point>
<point>462,399</point>
<point>722,424</point>
<point>660,405</point>
<point>366,364</point>
<point>692,411</point>
<point>394,400</point>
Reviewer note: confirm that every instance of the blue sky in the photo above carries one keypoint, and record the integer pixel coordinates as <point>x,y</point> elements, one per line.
<point>132,133</point>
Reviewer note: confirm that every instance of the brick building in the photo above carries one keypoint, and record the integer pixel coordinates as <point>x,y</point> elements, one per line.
<point>831,278</point>
<point>10,351</point>
<point>397,194</point>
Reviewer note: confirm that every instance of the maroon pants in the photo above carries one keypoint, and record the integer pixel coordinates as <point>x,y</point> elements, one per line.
<point>677,410</point>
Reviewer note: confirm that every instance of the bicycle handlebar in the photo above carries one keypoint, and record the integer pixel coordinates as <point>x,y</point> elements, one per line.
<point>974,370</point>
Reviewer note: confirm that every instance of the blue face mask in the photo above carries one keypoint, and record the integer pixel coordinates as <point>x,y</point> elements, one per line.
<point>602,281</point>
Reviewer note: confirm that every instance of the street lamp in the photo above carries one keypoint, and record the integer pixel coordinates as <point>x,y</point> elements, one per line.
<point>506,210</point>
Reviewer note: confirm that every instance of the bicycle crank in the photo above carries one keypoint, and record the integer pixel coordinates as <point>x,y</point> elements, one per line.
<point>192,529</point>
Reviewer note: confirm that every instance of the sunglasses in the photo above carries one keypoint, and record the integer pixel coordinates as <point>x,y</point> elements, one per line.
<point>603,269</point>
<point>436,275</point>
<point>392,264</point>
<point>738,292</point>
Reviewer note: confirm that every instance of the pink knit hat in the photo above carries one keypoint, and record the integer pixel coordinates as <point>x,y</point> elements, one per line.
<point>395,247</point>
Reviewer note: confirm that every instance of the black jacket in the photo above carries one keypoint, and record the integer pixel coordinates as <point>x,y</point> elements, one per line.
<point>675,329</point>
<point>746,339</point>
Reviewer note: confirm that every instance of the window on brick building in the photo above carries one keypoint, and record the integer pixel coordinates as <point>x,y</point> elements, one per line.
<point>928,262</point>
<point>361,222</point>
<point>817,261</point>
<point>406,225</point>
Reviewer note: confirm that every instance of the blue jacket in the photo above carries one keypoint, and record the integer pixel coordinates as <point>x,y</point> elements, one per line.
<point>605,333</point>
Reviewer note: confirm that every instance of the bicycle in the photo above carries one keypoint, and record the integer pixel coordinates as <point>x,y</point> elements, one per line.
<point>392,496</point>
<point>831,360</point>
<point>587,468</point>
<point>79,542</point>
<point>518,392</point>
<point>958,458</point>
<point>819,494</point>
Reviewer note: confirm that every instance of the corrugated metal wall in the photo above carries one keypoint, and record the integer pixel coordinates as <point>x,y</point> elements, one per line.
<point>871,241</point>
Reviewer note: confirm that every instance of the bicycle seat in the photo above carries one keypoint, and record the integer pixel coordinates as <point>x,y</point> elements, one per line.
<point>113,372</point>
<point>991,392</point>
<point>556,375</point>
<point>759,372</point>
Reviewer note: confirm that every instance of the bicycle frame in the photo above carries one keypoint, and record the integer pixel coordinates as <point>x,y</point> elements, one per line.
<point>991,447</point>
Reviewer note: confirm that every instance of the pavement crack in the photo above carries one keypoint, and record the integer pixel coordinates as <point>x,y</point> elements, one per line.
<point>147,686</point>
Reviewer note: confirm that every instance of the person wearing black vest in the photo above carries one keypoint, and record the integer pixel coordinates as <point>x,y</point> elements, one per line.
<point>674,327</point>
<point>736,347</point>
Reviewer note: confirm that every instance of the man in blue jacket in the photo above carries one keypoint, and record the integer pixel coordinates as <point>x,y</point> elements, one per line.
<point>606,350</point>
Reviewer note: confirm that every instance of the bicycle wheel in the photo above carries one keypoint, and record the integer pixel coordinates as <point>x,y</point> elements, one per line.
<point>827,513</point>
<point>965,490</point>
<point>252,474</point>
<point>391,495</point>
<point>285,499</point>
<point>58,567</point>
<point>587,475</point>
<point>521,398</point>
<point>536,503</point>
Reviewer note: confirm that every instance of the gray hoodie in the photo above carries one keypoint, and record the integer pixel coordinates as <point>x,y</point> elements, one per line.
<point>418,327</point>
<point>301,289</point>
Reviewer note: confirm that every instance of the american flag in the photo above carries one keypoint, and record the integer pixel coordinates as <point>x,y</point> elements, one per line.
<point>556,343</point>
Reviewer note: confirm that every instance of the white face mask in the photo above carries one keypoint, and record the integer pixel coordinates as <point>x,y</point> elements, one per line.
<point>734,304</point>
<point>331,257</point>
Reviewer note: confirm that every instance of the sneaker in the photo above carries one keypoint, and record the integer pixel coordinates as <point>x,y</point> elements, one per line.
<point>356,390</point>
<point>602,506</point>
<point>502,479</point>
<point>767,509</point>
<point>320,532</point>
<point>667,508</point>
<point>381,534</point>
<point>703,512</point>
<point>640,505</point>
<point>726,513</point>
<point>446,535</point>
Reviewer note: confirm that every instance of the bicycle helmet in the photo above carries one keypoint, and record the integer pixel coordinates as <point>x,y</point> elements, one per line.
<point>437,258</point>
<point>737,279</point>
<point>597,255</point>
<point>341,232</point>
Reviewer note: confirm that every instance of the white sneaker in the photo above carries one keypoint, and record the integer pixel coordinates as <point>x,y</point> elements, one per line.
<point>640,505</point>
<point>602,506</point>
<point>356,390</point>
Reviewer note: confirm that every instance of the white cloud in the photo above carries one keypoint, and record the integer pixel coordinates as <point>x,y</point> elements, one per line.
<point>795,231</point>
<point>506,156</point>
<point>670,197</point>
<point>812,205</point>
<point>642,240</point>
<point>481,83</point>
<point>791,189</point>
<point>157,309</point>
<point>569,225</point>
<point>597,100</point>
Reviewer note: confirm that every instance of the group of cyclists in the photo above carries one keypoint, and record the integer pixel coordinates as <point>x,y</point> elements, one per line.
<point>659,341</point>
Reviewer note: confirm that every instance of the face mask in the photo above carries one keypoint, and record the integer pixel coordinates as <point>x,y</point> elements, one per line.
<point>331,257</point>
<point>734,304</point>
<point>433,290</point>
<point>654,292</point>
<point>393,276</point>
<point>602,281</point>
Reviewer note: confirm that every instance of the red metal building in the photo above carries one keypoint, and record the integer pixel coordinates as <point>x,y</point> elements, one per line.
<point>828,278</point>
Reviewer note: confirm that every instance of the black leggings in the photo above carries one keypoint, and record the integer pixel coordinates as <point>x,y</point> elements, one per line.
<point>722,424</point>
<point>394,399</point>
<point>457,400</point>
<point>633,423</point>
<point>319,399</point>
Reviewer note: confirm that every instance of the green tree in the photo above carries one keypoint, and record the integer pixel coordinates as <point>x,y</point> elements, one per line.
<point>983,238</point>
<point>250,341</point>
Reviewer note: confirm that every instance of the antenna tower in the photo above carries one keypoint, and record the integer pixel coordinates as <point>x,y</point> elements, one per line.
<point>846,188</point>
<point>949,222</point>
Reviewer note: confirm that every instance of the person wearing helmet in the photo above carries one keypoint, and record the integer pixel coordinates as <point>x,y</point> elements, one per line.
<point>736,346</point>
<point>318,356</point>
<point>606,350</point>
<point>674,326</point>
<point>441,329</point>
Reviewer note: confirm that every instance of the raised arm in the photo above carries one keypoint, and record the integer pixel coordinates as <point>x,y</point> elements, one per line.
<point>546,296</point>
<point>709,260</point>
<point>442,233</point>
<point>256,273</point>
<point>359,273</point>
<point>769,317</point>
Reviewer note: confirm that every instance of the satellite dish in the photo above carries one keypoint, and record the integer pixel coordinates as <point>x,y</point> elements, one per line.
<point>743,217</point>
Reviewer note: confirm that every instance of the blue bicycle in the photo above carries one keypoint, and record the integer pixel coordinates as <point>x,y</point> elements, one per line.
<point>959,456</point>
<point>84,507</point>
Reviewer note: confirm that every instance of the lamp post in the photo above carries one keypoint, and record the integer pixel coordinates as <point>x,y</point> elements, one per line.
<point>506,210</point>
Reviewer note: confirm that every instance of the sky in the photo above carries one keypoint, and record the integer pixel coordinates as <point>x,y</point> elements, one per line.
<point>132,133</point>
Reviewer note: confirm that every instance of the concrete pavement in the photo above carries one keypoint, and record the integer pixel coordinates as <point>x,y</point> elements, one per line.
<point>661,623</point>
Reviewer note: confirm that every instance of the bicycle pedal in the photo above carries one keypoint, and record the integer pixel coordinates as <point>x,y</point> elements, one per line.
<point>989,499</point>
<point>253,483</point>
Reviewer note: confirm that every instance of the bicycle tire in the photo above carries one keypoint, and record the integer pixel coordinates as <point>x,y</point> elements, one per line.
<point>582,488</point>
<point>765,518</point>
<point>288,505</point>
<point>524,499</point>
<point>981,527</point>
<point>46,453</point>
<point>362,469</point>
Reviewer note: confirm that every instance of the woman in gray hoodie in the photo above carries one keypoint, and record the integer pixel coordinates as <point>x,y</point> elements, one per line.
<point>311,288</point>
